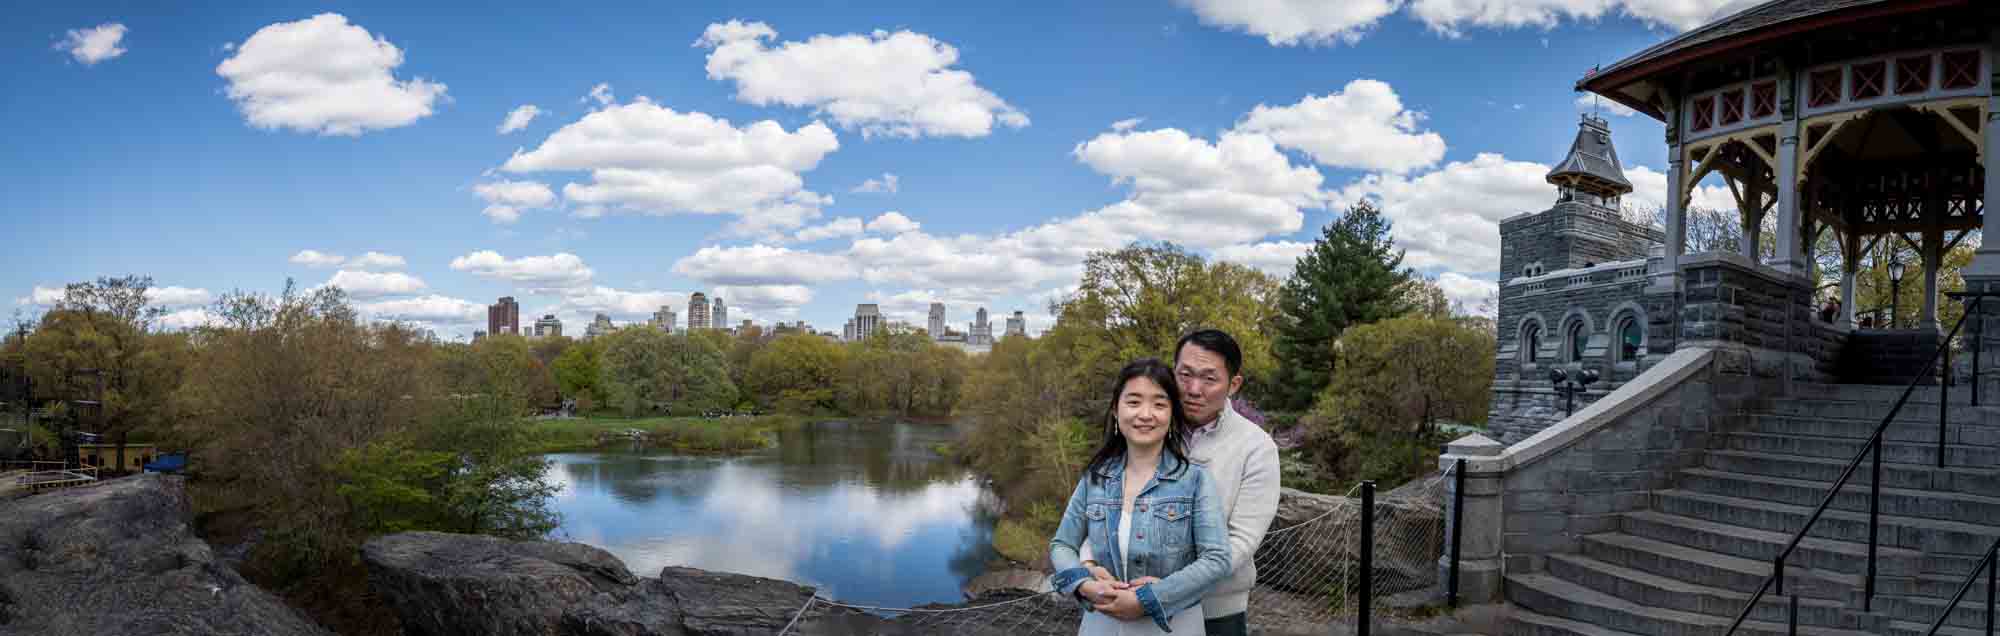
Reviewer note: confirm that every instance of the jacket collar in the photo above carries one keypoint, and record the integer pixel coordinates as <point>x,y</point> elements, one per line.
<point>1114,468</point>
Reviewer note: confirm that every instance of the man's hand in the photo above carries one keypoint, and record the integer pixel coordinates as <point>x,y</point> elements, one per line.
<point>1096,591</point>
<point>1123,605</point>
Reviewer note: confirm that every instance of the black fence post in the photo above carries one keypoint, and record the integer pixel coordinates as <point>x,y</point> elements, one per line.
<point>1457,528</point>
<point>1978,342</point>
<point>1992,562</point>
<point>1363,617</point>
<point>1793,620</point>
<point>1874,522</point>
<point>1944,399</point>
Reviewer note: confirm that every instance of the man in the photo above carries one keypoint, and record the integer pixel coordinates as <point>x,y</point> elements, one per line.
<point>1239,456</point>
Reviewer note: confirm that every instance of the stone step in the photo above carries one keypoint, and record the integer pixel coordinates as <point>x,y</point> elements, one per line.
<point>1912,431</point>
<point>1547,594</point>
<point>1904,502</point>
<point>1825,470</point>
<point>1652,590</point>
<point>1712,569</point>
<point>1970,612</point>
<point>1961,393</point>
<point>1956,455</point>
<point>1523,622</point>
<point>1914,533</point>
<point>1909,628</point>
<point>1764,545</point>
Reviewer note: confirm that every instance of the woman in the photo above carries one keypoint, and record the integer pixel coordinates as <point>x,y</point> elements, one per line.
<point>1148,513</point>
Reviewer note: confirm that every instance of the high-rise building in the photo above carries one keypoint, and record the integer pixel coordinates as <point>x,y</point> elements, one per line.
<point>1017,325</point>
<point>718,314</point>
<point>664,319</point>
<point>867,320</point>
<point>504,317</point>
<point>598,327</point>
<point>698,312</point>
<point>981,331</point>
<point>936,326</point>
<point>478,335</point>
<point>548,327</point>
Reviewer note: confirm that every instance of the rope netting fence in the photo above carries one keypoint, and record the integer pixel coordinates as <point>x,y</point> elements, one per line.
<point>1308,575</point>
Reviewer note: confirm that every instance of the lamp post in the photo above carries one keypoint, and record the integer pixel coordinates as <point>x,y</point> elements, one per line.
<point>1895,290</point>
<point>1569,385</point>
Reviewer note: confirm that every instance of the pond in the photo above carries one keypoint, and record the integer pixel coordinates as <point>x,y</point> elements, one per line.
<point>866,511</point>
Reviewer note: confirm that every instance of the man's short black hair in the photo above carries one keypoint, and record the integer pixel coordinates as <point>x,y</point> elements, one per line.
<point>1217,342</point>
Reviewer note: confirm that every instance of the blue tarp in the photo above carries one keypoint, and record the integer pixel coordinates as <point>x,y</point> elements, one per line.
<point>169,463</point>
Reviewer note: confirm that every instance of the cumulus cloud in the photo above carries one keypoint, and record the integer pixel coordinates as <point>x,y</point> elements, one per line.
<point>900,84</point>
<point>762,265</point>
<point>893,222</point>
<point>888,184</point>
<point>188,319</point>
<point>601,93</point>
<point>554,272</point>
<point>95,44</point>
<point>992,265</point>
<point>1450,217</point>
<point>844,226</point>
<point>426,309</point>
<point>1589,102</point>
<point>1362,126</point>
<point>323,75</point>
<point>377,260</point>
<point>1295,22</point>
<point>764,300</point>
<point>505,200</point>
<point>1272,257</point>
<point>1188,190</point>
<point>44,296</point>
<point>576,306</point>
<point>169,297</point>
<point>1123,125</point>
<point>1452,17</point>
<point>650,159</point>
<point>914,306</point>
<point>317,259</point>
<point>1649,192</point>
<point>1469,293</point>
<point>519,117</point>
<point>361,284</point>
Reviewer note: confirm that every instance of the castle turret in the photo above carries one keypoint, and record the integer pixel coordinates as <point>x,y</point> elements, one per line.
<point>1591,171</point>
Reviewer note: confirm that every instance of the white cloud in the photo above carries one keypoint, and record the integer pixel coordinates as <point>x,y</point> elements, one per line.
<point>844,226</point>
<point>889,184</point>
<point>361,284</point>
<point>1124,125</point>
<point>559,271</point>
<point>426,309</point>
<point>899,84</point>
<point>892,223</point>
<point>44,296</point>
<point>1469,292</point>
<point>519,117</point>
<point>505,200</point>
<point>992,265</point>
<point>647,158</point>
<point>1649,191</point>
<point>1363,126</point>
<point>1452,17</point>
<point>914,306</point>
<point>1295,22</point>
<point>762,265</point>
<point>578,305</point>
<point>317,259</point>
<point>95,44</point>
<point>601,93</point>
<point>377,260</point>
<point>323,75</point>
<point>773,300</point>
<point>1273,257</point>
<point>1186,190</point>
<point>171,296</point>
<point>1589,102</point>
<point>188,319</point>
<point>1449,217</point>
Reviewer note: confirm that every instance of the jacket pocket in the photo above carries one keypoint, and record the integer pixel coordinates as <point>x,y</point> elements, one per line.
<point>1173,519</point>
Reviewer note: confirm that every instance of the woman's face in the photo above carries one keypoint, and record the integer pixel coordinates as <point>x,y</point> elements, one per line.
<point>1144,412</point>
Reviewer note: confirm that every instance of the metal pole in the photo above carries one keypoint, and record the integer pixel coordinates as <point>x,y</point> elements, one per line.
<point>1457,528</point>
<point>1895,300</point>
<point>1991,563</point>
<point>1367,558</point>
<point>1874,516</point>
<point>1978,342</point>
<point>1778,574</point>
<point>1944,398</point>
<point>1794,620</point>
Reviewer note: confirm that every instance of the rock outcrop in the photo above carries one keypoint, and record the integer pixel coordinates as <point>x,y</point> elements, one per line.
<point>118,558</point>
<point>451,585</point>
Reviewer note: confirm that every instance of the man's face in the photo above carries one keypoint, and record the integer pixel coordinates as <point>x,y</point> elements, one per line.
<point>1206,383</point>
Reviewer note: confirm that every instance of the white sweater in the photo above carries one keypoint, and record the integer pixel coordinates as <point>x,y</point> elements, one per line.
<point>1243,461</point>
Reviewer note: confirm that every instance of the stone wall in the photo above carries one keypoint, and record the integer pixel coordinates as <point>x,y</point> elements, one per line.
<point>1732,302</point>
<point>1571,234</point>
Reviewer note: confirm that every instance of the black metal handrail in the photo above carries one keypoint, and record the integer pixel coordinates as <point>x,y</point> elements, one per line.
<point>1777,578</point>
<point>1987,564</point>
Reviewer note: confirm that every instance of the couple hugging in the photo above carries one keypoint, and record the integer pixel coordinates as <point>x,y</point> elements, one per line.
<point>1162,530</point>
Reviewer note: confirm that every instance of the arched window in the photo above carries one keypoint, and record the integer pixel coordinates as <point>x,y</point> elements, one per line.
<point>1531,342</point>
<point>1577,339</point>
<point>1628,339</point>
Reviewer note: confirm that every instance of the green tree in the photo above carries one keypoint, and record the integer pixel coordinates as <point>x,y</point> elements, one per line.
<point>579,373</point>
<point>1398,380</point>
<point>97,344</point>
<point>646,369</point>
<point>1352,275</point>
<point>796,373</point>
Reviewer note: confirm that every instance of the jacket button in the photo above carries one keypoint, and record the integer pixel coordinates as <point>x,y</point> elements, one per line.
<point>1142,507</point>
<point>1141,536</point>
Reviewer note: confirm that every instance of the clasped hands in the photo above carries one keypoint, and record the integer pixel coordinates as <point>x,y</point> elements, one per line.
<point>1112,597</point>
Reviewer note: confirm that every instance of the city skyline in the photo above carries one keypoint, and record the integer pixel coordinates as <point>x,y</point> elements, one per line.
<point>425,186</point>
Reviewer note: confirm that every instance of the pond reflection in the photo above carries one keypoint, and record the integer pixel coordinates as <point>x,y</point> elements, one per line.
<point>865,511</point>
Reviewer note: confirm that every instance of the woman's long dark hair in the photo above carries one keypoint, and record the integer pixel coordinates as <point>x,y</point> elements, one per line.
<point>1177,430</point>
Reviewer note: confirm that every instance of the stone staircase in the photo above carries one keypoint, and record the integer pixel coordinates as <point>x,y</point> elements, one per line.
<point>1686,566</point>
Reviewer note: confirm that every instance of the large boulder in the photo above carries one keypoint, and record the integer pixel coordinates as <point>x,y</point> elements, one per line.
<point>1313,542</point>
<point>118,558</point>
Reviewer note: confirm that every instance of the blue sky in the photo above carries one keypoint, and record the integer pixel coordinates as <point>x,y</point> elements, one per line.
<point>213,146</point>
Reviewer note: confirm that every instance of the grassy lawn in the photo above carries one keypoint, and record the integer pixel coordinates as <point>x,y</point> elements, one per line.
<point>683,434</point>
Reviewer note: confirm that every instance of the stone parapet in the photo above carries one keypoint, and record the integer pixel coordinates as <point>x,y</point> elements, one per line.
<point>1727,302</point>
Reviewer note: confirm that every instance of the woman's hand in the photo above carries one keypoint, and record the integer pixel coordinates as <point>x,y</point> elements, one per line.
<point>1095,591</point>
<point>1136,583</point>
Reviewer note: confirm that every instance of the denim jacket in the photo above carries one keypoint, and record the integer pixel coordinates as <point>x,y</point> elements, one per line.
<point>1177,535</point>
